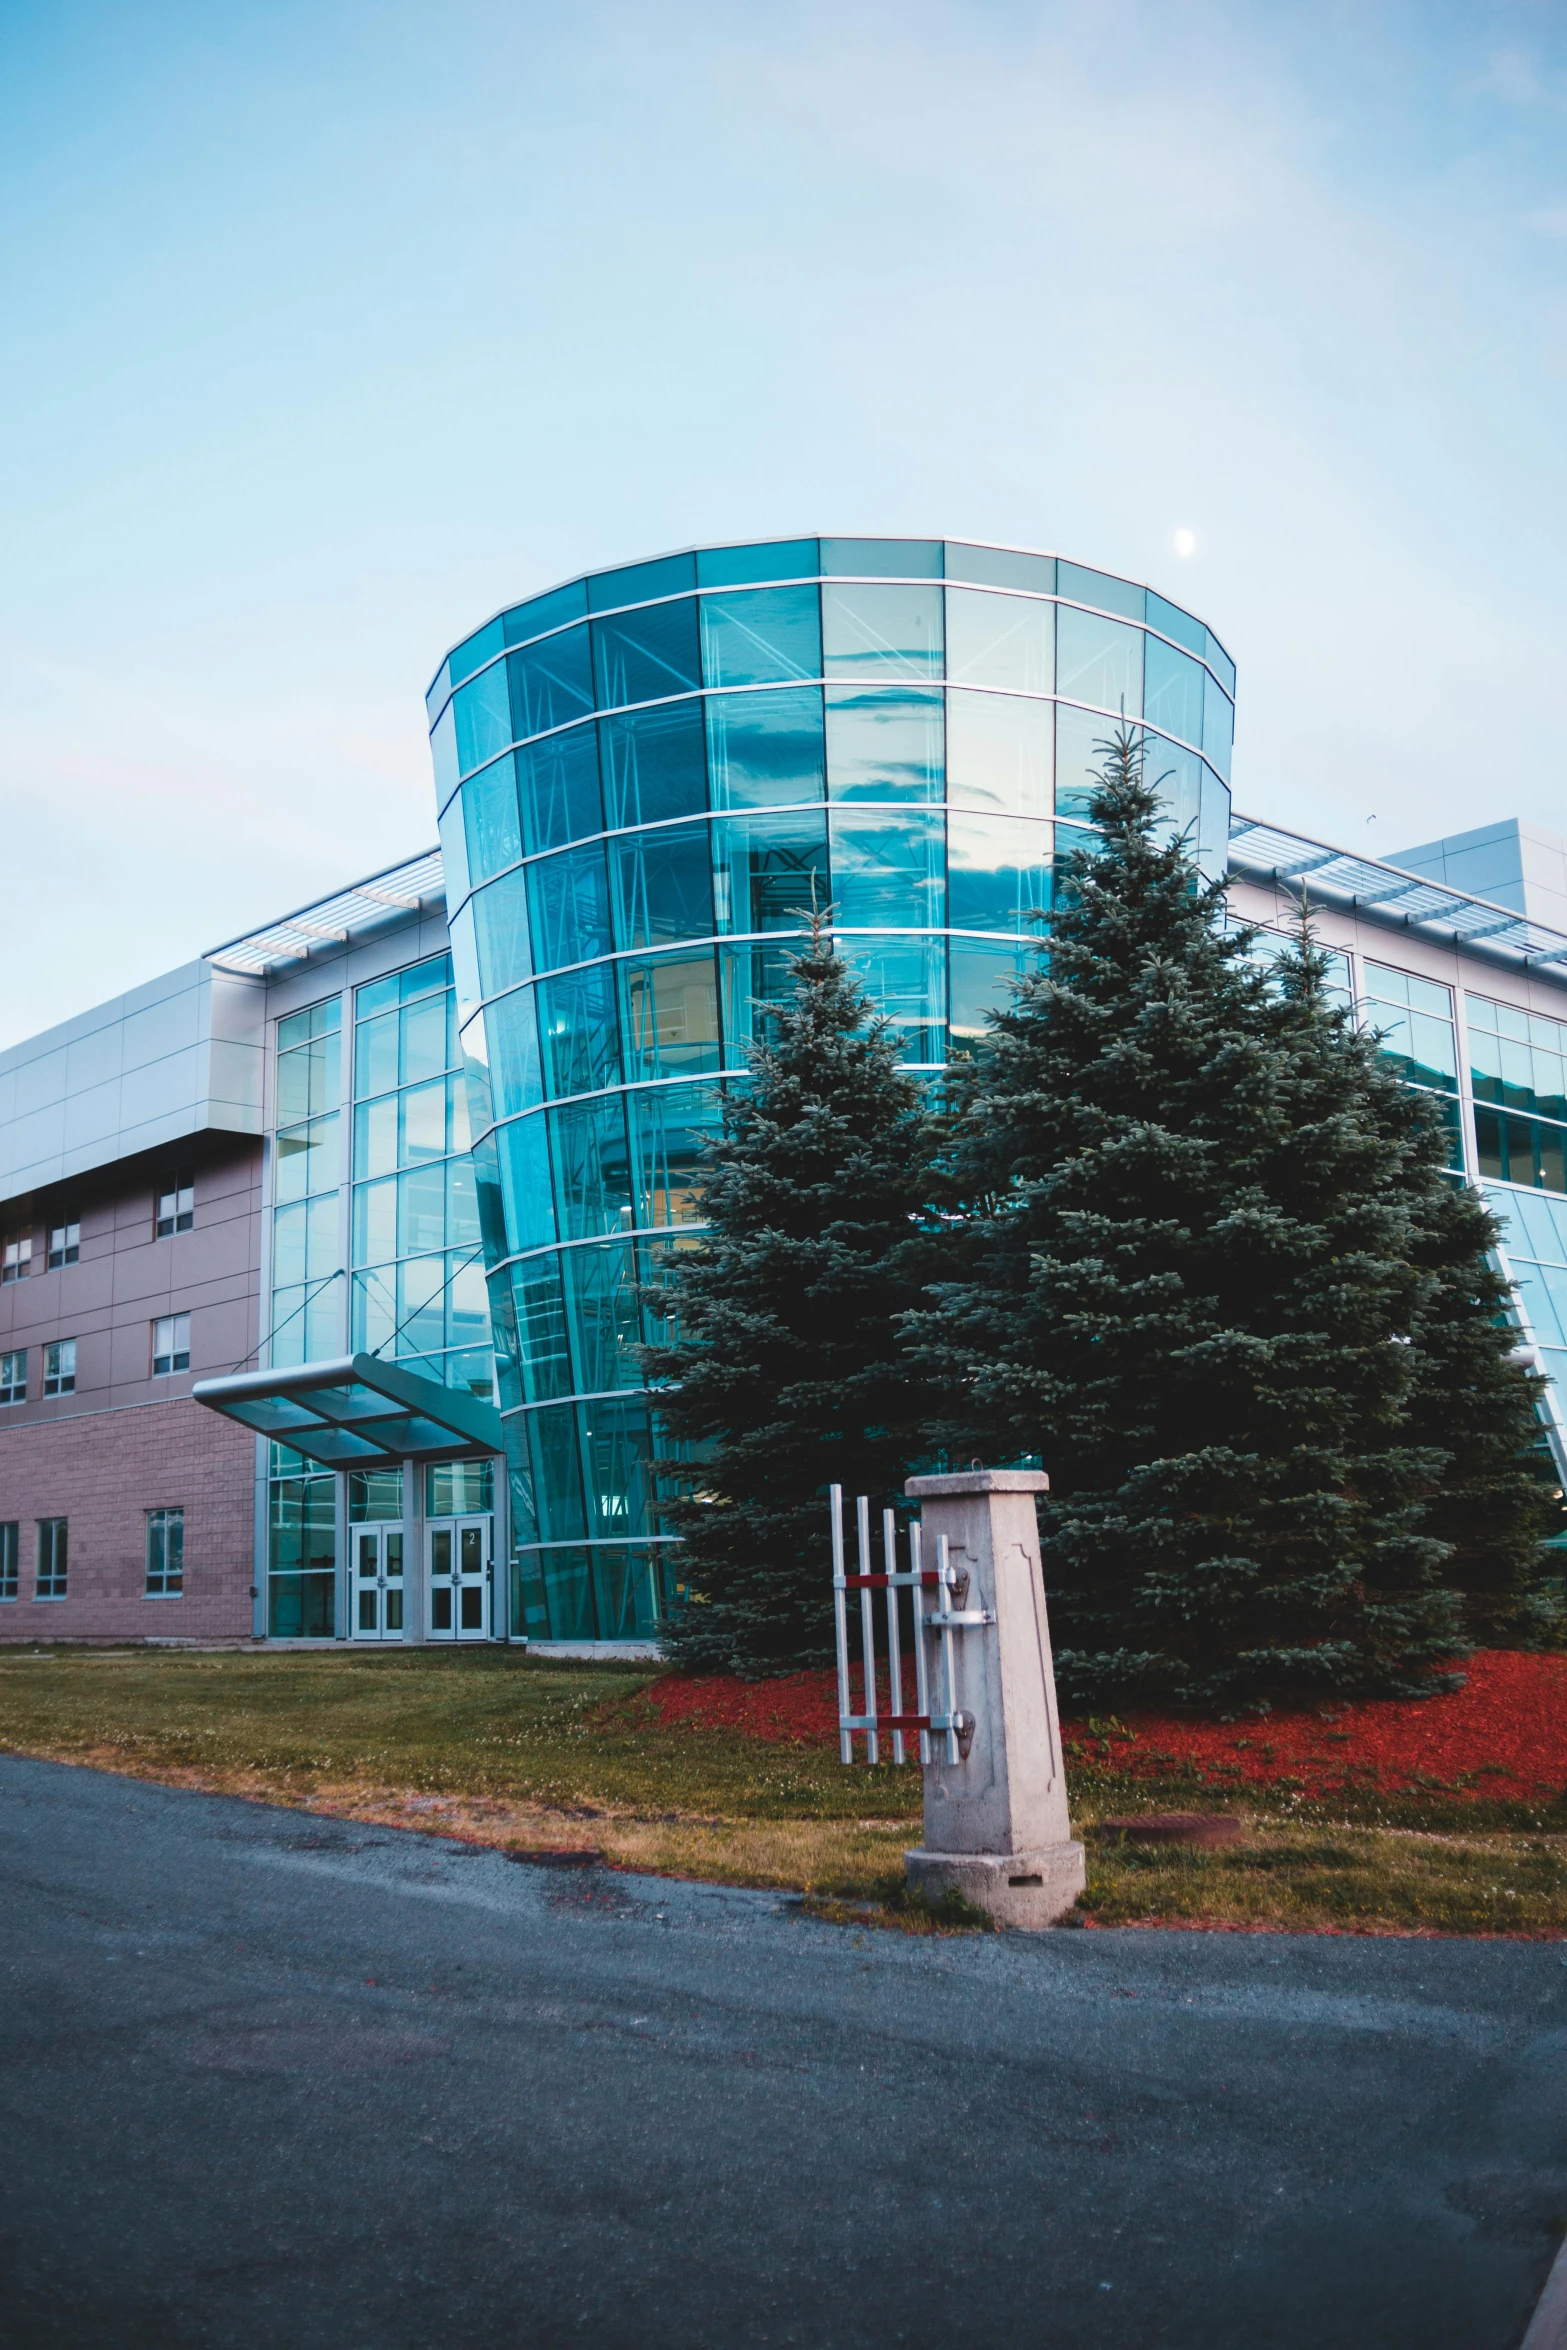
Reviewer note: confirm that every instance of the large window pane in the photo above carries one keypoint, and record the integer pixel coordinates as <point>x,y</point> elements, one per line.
<point>998,753</point>
<point>601,1303</point>
<point>887,870</point>
<point>1171,621</point>
<point>551,683</point>
<point>642,656</point>
<point>770,636</point>
<point>527,1191</point>
<point>568,906</point>
<point>544,612</point>
<point>516,1070</point>
<point>375,1222</point>
<point>662,886</point>
<point>884,746</point>
<point>615,1451</point>
<point>1002,567</point>
<point>765,750</point>
<point>1218,728</point>
<point>375,1137</point>
<point>753,979</point>
<point>1004,641</point>
<point>578,1031</point>
<point>557,1473</point>
<point>765,868</point>
<point>906,979</point>
<point>1176,775</point>
<point>423,1046</point>
<point>421,1210</point>
<point>307,1159</point>
<point>592,1168</point>
<point>462,1204</point>
<point>882,558</point>
<point>998,873</point>
<point>778,559</point>
<point>881,632</point>
<point>492,830</point>
<point>671,1126</point>
<point>482,711</point>
<point>1083,739</point>
<point>1100,588</point>
<point>638,583</point>
<point>653,765</point>
<point>669,1016</point>
<point>982,978</point>
<point>1099,661</point>
<point>1173,691</point>
<point>500,931</point>
<point>1213,827</point>
<point>558,788</point>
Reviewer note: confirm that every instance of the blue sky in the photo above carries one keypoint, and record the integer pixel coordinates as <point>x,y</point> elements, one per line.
<point>331,327</point>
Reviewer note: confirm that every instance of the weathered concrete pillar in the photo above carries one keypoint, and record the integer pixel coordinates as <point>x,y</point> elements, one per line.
<point>996,1825</point>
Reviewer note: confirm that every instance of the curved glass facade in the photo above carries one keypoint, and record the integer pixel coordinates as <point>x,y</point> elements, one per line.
<point>644,776</point>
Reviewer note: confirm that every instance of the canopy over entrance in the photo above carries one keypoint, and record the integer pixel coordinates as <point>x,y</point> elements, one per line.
<point>357,1411</point>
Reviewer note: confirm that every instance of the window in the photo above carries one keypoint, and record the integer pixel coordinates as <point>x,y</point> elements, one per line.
<point>165,1554</point>
<point>13,1376</point>
<point>16,1256</point>
<point>177,1202</point>
<point>65,1239</point>
<point>170,1344</point>
<point>60,1373</point>
<point>51,1559</point>
<point>10,1549</point>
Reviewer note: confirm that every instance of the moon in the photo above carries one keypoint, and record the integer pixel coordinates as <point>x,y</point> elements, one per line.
<point>1186,542</point>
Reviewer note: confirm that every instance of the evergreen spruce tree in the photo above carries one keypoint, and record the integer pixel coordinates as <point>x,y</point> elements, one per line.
<point>1197,1276</point>
<point>786,1373</point>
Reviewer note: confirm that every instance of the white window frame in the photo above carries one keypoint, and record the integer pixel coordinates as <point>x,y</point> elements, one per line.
<point>59,1368</point>
<point>170,1357</point>
<point>13,1376</point>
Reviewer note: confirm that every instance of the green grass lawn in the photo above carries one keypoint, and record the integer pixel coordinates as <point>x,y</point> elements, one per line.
<point>524,1753</point>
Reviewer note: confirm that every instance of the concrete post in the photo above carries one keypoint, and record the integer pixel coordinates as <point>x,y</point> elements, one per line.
<point>996,1825</point>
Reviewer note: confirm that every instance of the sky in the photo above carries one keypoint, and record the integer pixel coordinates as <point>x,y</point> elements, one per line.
<point>328,328</point>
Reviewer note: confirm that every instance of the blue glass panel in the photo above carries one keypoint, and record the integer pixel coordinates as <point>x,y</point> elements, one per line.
<point>644,656</point>
<point>476,1074</point>
<point>443,755</point>
<point>462,1204</point>
<point>425,1041</point>
<point>558,788</point>
<point>601,1302</point>
<point>616,1444</point>
<point>881,632</point>
<point>1002,567</point>
<point>765,750</point>
<point>482,710</point>
<point>500,927</point>
<point>454,852</point>
<point>426,978</point>
<point>1220,663</point>
<point>465,959</point>
<point>577,1028</point>
<point>592,1168</point>
<point>439,692</point>
<point>982,976</point>
<point>568,903</point>
<point>887,870</point>
<point>654,765</point>
<point>1176,775</point>
<point>906,979</point>
<point>637,583</point>
<point>1171,621</point>
<point>751,980</point>
<point>671,1127</point>
<point>1218,729</point>
<point>1173,691</point>
<point>421,1211</point>
<point>998,873</point>
<point>999,752</point>
<point>508,1355</point>
<point>491,825</point>
<point>1082,740</point>
<point>1099,661</point>
<point>738,566</point>
<point>375,1054</point>
<point>628,1589</point>
<point>527,1194</point>
<point>541,612</point>
<point>557,1478</point>
<point>884,746</point>
<point>882,558</point>
<point>1004,641</point>
<point>765,868</point>
<point>1100,589</point>
<point>662,885</point>
<point>472,654</point>
<point>669,1016</point>
<point>551,683</point>
<point>770,636</point>
<point>516,1072</point>
<point>467,1310</point>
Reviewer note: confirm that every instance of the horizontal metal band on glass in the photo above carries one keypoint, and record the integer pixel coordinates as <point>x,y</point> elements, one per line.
<point>576,1395</point>
<point>595,1542</point>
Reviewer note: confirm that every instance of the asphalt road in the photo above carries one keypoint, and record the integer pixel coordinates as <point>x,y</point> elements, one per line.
<point>276,2082</point>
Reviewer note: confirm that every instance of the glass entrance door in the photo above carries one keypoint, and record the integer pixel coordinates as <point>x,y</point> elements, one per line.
<point>460,1579</point>
<point>376,1601</point>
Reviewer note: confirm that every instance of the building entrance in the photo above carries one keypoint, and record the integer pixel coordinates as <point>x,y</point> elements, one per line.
<point>459,1559</point>
<point>376,1595</point>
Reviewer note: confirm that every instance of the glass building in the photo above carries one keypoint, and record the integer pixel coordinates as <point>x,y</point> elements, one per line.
<point>646,778</point>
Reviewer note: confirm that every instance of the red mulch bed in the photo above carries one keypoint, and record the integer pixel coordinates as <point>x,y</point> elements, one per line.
<point>1503,1736</point>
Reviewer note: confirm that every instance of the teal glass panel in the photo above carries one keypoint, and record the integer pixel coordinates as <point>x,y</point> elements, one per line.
<point>462,1204</point>
<point>982,975</point>
<point>906,979</point>
<point>1003,641</point>
<point>438,691</point>
<point>375,1137</point>
<point>566,1577</point>
<point>1099,661</point>
<point>430,977</point>
<point>443,755</point>
<point>1414,1019</point>
<point>527,1190</point>
<point>423,1121</point>
<point>545,612</point>
<point>998,873</point>
<point>999,753</point>
<point>568,907</point>
<point>887,870</point>
<point>538,1305</point>
<point>1173,691</point>
<point>616,1445</point>
<point>491,825</point>
<point>882,558</point>
<point>645,656</point>
<point>771,636</point>
<point>551,682</point>
<point>1218,728</point>
<point>1220,663</point>
<point>592,1168</point>
<point>884,746</point>
<point>765,750</point>
<point>421,1210</point>
<point>482,710</point>
<point>467,1308</point>
<point>558,789</point>
<point>752,980</point>
<point>374,1495</point>
<point>1100,589</point>
<point>661,885</point>
<point>475,650</point>
<point>459,1489</point>
<point>578,1033</point>
<point>638,583</point>
<point>301,1607</point>
<point>288,1245</point>
<point>375,1222</point>
<point>765,868</point>
<point>500,932</point>
<point>881,632</point>
<point>1213,827</point>
<point>601,1306</point>
<point>1171,621</point>
<point>1002,567</point>
<point>654,765</point>
<point>1520,1150</point>
<point>628,1596</point>
<point>671,1127</point>
<point>374,1307</point>
<point>669,1016</point>
<point>739,566</point>
<point>424,1041</point>
<point>307,1159</point>
<point>1176,775</point>
<point>1082,743</point>
<point>1386,984</point>
<point>421,1308</point>
<point>508,1357</point>
<point>454,852</point>
<point>516,1069</point>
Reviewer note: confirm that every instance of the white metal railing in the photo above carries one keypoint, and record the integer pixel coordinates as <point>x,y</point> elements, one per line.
<point>951,1586</point>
